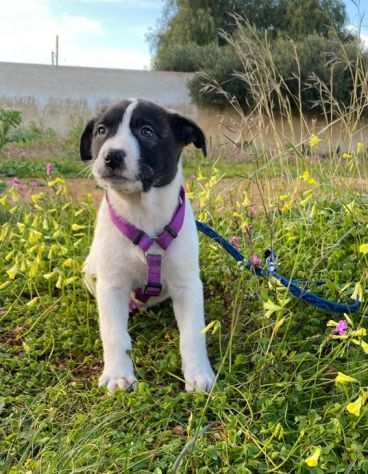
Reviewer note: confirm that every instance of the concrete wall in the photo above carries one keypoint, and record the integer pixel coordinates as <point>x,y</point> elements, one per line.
<point>58,97</point>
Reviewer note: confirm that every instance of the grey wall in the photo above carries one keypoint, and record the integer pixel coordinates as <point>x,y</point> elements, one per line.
<point>58,97</point>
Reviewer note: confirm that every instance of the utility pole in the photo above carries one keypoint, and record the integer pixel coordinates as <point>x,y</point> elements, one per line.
<point>55,54</point>
<point>57,51</point>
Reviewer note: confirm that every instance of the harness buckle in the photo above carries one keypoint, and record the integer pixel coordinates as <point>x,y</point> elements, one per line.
<point>138,237</point>
<point>152,289</point>
<point>171,231</point>
<point>271,260</point>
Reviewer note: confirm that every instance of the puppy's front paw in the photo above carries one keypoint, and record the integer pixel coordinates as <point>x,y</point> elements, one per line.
<point>199,380</point>
<point>113,381</point>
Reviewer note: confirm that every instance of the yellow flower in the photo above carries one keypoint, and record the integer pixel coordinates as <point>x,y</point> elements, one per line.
<point>213,326</point>
<point>270,308</point>
<point>5,285</point>
<point>362,344</point>
<point>312,460</point>
<point>363,248</point>
<point>34,268</point>
<point>57,234</point>
<point>33,302</point>
<point>21,227</point>
<point>68,263</point>
<point>347,156</point>
<point>308,178</point>
<point>358,292</point>
<point>12,272</point>
<point>344,379</point>
<point>359,332</point>
<point>59,283</point>
<point>48,276</point>
<point>77,227</point>
<point>314,141</point>
<point>4,232</point>
<point>354,407</point>
<point>360,148</point>
<point>9,255</point>
<point>34,236</point>
<point>69,281</point>
<point>55,182</point>
<point>36,197</point>
<point>4,200</point>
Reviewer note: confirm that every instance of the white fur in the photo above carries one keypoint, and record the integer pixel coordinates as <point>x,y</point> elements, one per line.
<point>123,139</point>
<point>115,267</point>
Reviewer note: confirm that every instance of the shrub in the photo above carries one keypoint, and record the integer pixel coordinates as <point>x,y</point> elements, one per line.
<point>218,83</point>
<point>31,133</point>
<point>9,119</point>
<point>188,57</point>
<point>315,73</point>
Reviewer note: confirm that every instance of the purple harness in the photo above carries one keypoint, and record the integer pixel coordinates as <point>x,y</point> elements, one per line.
<point>144,242</point>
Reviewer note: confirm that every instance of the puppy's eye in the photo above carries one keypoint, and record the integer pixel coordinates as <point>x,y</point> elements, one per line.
<point>147,131</point>
<point>101,130</point>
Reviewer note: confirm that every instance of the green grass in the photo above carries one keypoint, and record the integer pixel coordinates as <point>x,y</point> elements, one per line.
<point>275,400</point>
<point>37,168</point>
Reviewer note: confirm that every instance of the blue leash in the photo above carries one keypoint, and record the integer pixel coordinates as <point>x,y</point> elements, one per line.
<point>294,286</point>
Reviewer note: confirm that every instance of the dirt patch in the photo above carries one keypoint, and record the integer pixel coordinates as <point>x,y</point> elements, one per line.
<point>86,371</point>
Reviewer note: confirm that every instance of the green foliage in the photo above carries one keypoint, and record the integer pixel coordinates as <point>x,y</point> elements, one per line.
<point>276,399</point>
<point>314,74</point>
<point>36,168</point>
<point>313,54</point>
<point>219,83</point>
<point>9,119</point>
<point>187,57</point>
<point>31,133</point>
<point>202,22</point>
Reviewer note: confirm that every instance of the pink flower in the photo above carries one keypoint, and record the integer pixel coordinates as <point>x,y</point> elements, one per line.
<point>16,183</point>
<point>235,241</point>
<point>193,177</point>
<point>255,261</point>
<point>49,169</point>
<point>341,327</point>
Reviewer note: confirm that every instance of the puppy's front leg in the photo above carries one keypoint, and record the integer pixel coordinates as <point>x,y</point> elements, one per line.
<point>113,310</point>
<point>188,307</point>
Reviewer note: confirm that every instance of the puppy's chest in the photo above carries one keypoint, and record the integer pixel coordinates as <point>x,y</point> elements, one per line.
<point>125,262</point>
<point>139,268</point>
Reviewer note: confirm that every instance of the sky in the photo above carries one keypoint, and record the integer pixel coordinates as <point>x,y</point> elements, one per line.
<point>96,33</point>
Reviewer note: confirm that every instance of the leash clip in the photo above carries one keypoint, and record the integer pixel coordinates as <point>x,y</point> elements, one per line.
<point>271,260</point>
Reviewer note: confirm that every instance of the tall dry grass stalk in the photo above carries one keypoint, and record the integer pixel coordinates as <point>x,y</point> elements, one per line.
<point>277,115</point>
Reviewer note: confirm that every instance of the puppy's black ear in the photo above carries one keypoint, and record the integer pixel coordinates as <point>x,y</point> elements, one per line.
<point>86,141</point>
<point>186,131</point>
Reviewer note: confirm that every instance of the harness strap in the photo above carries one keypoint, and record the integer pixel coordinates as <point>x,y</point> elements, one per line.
<point>144,242</point>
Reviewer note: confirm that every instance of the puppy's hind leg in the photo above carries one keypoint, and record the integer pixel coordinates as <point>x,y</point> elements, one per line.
<point>89,275</point>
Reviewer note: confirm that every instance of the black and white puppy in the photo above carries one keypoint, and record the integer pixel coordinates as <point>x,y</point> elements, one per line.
<point>134,150</point>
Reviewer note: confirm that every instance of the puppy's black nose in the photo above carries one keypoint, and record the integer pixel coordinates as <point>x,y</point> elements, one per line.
<point>115,159</point>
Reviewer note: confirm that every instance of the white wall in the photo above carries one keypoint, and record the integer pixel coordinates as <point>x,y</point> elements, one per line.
<point>58,97</point>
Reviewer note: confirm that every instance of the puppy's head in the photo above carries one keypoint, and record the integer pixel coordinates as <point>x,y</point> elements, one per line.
<point>136,144</point>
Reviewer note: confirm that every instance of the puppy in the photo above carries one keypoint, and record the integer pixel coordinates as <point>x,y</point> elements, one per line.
<point>134,149</point>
